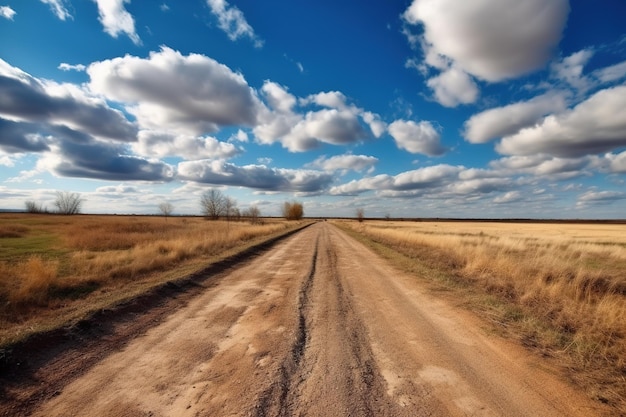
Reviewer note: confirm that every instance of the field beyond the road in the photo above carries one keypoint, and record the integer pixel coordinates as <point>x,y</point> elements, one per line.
<point>56,269</point>
<point>559,288</point>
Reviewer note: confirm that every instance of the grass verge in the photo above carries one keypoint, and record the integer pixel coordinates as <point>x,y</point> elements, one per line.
<point>65,285</point>
<point>578,324</point>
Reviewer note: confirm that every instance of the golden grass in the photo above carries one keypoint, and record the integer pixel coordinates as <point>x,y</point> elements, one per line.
<point>58,264</point>
<point>559,288</point>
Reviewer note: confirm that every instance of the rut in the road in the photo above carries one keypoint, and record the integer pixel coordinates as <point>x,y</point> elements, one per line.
<point>331,370</point>
<point>273,400</point>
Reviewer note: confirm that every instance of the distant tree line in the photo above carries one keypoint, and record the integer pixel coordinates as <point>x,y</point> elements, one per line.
<point>65,202</point>
<point>214,205</point>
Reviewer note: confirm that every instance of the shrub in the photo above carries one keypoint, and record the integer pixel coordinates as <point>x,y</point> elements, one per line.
<point>293,210</point>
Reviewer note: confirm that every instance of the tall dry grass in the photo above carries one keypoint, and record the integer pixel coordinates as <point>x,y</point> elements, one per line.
<point>85,253</point>
<point>560,288</point>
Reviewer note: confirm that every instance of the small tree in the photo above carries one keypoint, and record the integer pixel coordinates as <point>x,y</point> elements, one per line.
<point>166,209</point>
<point>213,204</point>
<point>360,215</point>
<point>252,214</point>
<point>68,203</point>
<point>293,210</point>
<point>34,207</point>
<point>230,208</point>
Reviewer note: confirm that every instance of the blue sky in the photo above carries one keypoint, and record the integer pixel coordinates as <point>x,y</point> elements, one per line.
<point>423,108</point>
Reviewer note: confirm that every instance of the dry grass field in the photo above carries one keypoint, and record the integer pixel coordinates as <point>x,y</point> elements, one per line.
<point>54,268</point>
<point>559,288</point>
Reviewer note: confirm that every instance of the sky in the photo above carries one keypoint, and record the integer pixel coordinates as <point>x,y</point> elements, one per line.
<point>423,108</point>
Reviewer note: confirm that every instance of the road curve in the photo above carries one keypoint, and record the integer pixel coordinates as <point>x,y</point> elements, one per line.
<point>317,326</point>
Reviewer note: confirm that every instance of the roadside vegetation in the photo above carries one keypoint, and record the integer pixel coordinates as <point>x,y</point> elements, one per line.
<point>558,288</point>
<point>53,267</point>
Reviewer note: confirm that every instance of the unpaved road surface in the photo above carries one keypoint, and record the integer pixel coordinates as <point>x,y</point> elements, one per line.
<point>317,326</point>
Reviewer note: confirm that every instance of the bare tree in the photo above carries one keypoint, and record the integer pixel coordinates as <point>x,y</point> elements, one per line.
<point>360,215</point>
<point>230,208</point>
<point>166,209</point>
<point>34,207</point>
<point>213,204</point>
<point>293,210</point>
<point>68,203</point>
<point>252,213</point>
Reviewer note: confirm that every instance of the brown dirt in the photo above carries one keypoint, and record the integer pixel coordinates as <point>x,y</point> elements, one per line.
<point>317,326</point>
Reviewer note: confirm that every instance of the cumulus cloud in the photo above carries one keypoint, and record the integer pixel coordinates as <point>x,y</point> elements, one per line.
<point>612,73</point>
<point>336,123</point>
<point>509,197</point>
<point>232,21</point>
<point>414,137</point>
<point>617,163</point>
<point>18,137</point>
<point>160,145</point>
<point>336,127</point>
<point>168,91</point>
<point>453,87</point>
<point>331,99</point>
<point>116,19</point>
<point>102,160</point>
<point>593,197</point>
<point>570,69</point>
<point>346,162</point>
<point>596,125</point>
<point>69,67</point>
<point>423,178</point>
<point>501,121</point>
<point>278,97</point>
<point>28,99</point>
<point>546,167</point>
<point>259,177</point>
<point>491,39</point>
<point>58,8</point>
<point>117,189</point>
<point>7,12</point>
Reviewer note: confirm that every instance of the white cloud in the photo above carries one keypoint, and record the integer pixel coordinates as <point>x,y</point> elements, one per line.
<point>373,120</point>
<point>596,125</point>
<point>232,21</point>
<point>6,160</point>
<point>414,137</point>
<point>611,73</point>
<point>424,178</point>
<point>593,197</point>
<point>346,162</point>
<point>259,177</point>
<point>68,67</point>
<point>501,121</point>
<point>337,123</point>
<point>278,97</point>
<point>169,92</point>
<point>116,19</point>
<point>7,12</point>
<point>161,145</point>
<point>58,8</point>
<point>617,163</point>
<point>336,127</point>
<point>117,189</point>
<point>331,99</point>
<point>570,69</point>
<point>61,109</point>
<point>491,39</point>
<point>509,197</point>
<point>453,87</point>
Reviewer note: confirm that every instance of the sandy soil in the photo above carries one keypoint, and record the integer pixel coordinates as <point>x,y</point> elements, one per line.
<point>317,326</point>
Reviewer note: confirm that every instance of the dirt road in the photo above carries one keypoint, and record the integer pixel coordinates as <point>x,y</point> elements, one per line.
<point>316,326</point>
